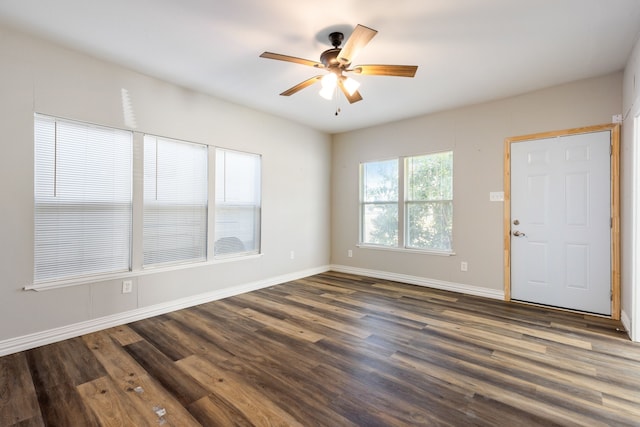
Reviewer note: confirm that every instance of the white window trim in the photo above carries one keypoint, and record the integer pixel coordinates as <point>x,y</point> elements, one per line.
<point>406,250</point>
<point>87,280</point>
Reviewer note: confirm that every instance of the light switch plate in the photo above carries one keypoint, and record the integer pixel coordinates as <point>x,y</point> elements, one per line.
<point>496,196</point>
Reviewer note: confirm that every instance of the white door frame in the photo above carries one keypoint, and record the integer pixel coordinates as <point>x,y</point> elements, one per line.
<point>615,205</point>
<point>635,233</point>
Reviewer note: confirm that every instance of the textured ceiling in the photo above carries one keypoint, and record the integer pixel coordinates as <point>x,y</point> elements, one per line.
<point>468,51</point>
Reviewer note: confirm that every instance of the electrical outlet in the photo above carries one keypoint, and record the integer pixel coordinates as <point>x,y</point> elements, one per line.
<point>464,266</point>
<point>127,286</point>
<point>292,255</point>
<point>349,253</point>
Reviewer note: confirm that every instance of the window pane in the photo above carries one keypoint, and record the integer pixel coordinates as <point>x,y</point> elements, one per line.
<point>175,201</point>
<point>238,205</point>
<point>82,199</point>
<point>429,225</point>
<point>380,224</point>
<point>430,177</point>
<point>380,181</point>
<point>379,203</point>
<point>429,205</point>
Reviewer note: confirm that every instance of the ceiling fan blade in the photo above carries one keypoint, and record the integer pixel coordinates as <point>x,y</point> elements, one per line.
<point>351,98</point>
<point>359,38</point>
<point>386,70</point>
<point>287,58</point>
<point>301,86</point>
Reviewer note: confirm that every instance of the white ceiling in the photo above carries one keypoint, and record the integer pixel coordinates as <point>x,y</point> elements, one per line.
<point>468,51</point>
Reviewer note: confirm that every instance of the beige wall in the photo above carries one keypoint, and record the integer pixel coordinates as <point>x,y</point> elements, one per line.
<point>476,135</point>
<point>37,76</point>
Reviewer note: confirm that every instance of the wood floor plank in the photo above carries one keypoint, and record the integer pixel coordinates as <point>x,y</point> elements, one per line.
<point>252,403</point>
<point>567,377</point>
<point>143,392</point>
<point>56,370</point>
<point>152,331</point>
<point>334,349</point>
<point>183,388</point>
<point>305,315</point>
<point>18,399</point>
<point>304,394</point>
<point>124,335</point>
<point>61,405</point>
<point>532,331</point>
<point>213,411</point>
<point>111,406</point>
<point>282,326</point>
<point>488,390</point>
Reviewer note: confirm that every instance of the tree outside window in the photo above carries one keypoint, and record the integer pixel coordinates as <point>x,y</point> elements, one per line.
<point>429,201</point>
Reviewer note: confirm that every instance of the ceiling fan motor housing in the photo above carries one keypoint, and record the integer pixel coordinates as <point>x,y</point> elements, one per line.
<point>329,57</point>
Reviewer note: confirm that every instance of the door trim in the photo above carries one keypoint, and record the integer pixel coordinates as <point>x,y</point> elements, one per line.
<point>615,205</point>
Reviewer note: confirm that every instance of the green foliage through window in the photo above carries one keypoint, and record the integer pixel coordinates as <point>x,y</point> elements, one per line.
<point>429,201</point>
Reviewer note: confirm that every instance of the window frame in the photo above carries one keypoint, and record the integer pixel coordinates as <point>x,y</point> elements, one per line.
<point>442,201</point>
<point>136,267</point>
<point>363,204</point>
<point>403,204</point>
<point>74,197</point>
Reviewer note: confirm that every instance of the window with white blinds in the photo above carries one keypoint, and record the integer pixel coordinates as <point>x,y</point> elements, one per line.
<point>175,201</point>
<point>82,195</point>
<point>238,203</point>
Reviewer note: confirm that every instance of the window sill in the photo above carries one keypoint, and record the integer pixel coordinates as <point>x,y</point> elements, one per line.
<point>407,250</point>
<point>85,280</point>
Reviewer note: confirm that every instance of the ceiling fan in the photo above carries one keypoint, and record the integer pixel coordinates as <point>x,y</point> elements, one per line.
<point>338,61</point>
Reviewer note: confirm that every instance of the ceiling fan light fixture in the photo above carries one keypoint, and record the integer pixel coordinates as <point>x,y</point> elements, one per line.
<point>330,80</point>
<point>329,83</point>
<point>351,85</point>
<point>327,93</point>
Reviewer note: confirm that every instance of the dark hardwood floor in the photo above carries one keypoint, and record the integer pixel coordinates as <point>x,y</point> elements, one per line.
<point>334,350</point>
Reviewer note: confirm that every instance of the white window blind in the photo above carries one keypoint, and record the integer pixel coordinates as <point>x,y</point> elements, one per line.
<point>175,201</point>
<point>238,205</point>
<point>82,199</point>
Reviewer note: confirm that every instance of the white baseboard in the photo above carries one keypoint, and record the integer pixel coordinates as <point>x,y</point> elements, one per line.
<point>26,342</point>
<point>626,323</point>
<point>422,281</point>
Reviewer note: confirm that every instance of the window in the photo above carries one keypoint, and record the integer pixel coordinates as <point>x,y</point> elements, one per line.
<point>429,201</point>
<point>424,221</point>
<point>175,201</point>
<point>238,205</point>
<point>379,203</point>
<point>82,200</point>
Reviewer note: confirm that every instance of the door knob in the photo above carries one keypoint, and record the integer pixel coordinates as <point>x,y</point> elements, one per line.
<point>518,234</point>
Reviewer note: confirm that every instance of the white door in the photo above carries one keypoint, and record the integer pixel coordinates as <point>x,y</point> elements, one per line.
<point>561,222</point>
